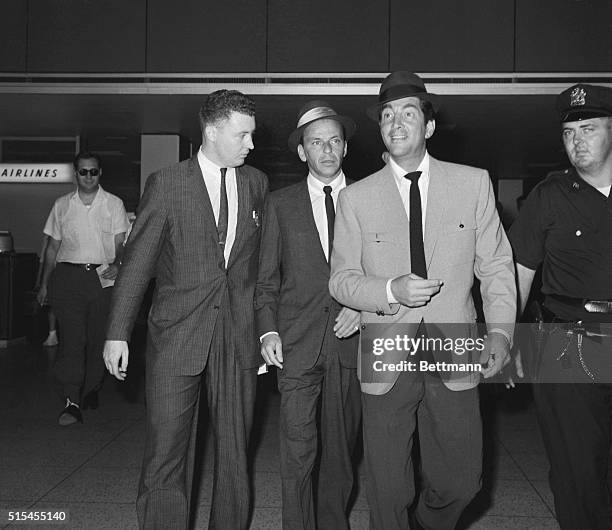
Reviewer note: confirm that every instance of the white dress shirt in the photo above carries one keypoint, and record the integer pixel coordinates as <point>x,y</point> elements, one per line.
<point>212,180</point>
<point>403,185</point>
<point>317,201</point>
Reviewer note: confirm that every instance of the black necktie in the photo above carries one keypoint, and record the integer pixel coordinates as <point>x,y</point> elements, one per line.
<point>417,252</point>
<point>331,216</point>
<point>222,223</point>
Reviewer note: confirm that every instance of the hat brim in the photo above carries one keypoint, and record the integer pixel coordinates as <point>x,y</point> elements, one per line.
<point>347,123</point>
<point>373,111</point>
<point>578,115</point>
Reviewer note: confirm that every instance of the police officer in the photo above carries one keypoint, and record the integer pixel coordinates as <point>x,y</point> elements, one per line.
<point>566,226</point>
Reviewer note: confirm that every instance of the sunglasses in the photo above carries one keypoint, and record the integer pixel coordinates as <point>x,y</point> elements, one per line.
<point>94,172</point>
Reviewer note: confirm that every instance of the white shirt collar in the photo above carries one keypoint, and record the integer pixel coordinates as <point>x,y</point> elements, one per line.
<point>206,165</point>
<point>100,195</point>
<point>399,172</point>
<point>315,186</point>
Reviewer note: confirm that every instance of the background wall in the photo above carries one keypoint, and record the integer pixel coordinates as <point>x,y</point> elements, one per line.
<point>305,35</point>
<point>563,35</point>
<point>512,137</point>
<point>24,210</point>
<point>206,36</point>
<point>447,36</point>
<point>86,35</point>
<point>13,35</point>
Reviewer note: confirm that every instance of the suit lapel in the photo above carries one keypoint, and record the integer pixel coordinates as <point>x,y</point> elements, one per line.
<point>303,209</point>
<point>243,214</point>
<point>437,204</point>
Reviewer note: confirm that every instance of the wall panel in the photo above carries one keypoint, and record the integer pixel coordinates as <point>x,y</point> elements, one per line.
<point>451,36</point>
<point>206,36</point>
<point>564,36</point>
<point>325,36</point>
<point>86,36</point>
<point>13,19</point>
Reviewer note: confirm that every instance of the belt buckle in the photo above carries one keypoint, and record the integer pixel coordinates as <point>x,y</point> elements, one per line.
<point>89,267</point>
<point>598,306</point>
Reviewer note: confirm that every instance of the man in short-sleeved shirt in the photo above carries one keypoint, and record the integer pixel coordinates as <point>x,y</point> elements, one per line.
<point>566,226</point>
<point>87,229</point>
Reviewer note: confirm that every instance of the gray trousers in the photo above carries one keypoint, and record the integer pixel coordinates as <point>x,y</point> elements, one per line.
<point>450,443</point>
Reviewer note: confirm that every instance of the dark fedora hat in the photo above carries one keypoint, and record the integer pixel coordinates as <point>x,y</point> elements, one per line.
<point>314,110</point>
<point>398,85</point>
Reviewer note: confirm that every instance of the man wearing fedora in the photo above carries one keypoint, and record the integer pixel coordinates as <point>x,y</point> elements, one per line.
<point>408,241</point>
<point>305,333</point>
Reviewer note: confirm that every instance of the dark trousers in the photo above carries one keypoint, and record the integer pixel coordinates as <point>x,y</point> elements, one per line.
<point>337,389</point>
<point>450,436</point>
<point>164,491</point>
<point>81,307</point>
<point>575,419</point>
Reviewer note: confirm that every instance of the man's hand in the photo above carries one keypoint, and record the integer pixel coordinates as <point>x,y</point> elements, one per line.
<point>495,355</point>
<point>413,291</point>
<point>41,295</point>
<point>518,368</point>
<point>272,350</point>
<point>116,354</point>
<point>110,273</point>
<point>347,323</point>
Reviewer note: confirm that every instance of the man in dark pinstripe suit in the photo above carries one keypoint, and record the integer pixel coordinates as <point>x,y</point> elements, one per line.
<point>197,232</point>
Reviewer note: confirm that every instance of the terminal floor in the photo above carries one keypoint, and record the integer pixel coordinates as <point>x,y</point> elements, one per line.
<point>91,470</point>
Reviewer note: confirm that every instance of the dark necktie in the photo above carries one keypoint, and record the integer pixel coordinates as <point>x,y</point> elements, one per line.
<point>331,216</point>
<point>222,223</point>
<point>417,252</point>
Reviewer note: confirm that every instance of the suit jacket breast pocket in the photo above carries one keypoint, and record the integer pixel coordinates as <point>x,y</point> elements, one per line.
<point>459,242</point>
<point>382,238</point>
<point>384,252</point>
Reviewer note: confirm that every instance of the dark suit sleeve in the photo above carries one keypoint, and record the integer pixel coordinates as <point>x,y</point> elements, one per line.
<point>267,290</point>
<point>139,260</point>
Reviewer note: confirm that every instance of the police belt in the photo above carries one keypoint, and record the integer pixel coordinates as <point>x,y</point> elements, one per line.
<point>85,266</point>
<point>583,304</point>
<point>595,330</point>
<point>580,327</point>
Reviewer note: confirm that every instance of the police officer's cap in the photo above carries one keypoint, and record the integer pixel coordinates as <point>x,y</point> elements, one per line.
<point>582,102</point>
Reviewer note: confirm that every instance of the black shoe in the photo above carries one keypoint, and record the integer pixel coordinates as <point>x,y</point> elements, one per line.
<point>90,400</point>
<point>71,414</point>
